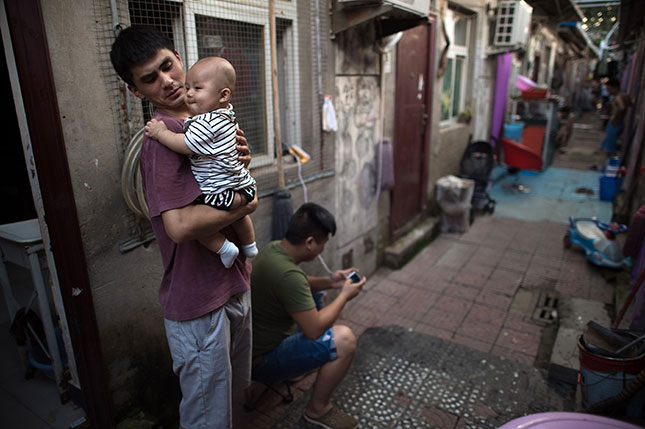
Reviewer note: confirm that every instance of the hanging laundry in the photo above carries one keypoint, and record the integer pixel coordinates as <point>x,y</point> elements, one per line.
<point>329,115</point>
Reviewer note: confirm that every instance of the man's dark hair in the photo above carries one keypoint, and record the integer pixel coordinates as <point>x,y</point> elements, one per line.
<point>565,109</point>
<point>613,82</point>
<point>133,46</point>
<point>310,220</point>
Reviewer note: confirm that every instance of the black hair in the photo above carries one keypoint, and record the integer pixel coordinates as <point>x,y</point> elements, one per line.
<point>133,46</point>
<point>565,109</point>
<point>310,220</point>
<point>613,82</point>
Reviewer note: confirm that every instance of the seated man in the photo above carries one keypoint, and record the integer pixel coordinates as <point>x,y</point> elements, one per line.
<point>282,300</point>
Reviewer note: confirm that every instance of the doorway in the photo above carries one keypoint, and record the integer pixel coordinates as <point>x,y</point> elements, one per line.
<point>39,120</point>
<point>414,85</point>
<point>27,399</point>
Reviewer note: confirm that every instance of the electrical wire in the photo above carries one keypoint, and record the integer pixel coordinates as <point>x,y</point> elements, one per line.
<point>306,197</point>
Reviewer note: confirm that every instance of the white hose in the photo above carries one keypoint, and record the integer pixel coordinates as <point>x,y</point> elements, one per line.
<point>304,192</point>
<point>131,183</point>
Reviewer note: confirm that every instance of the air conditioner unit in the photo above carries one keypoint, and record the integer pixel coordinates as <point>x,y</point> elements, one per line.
<point>417,7</point>
<point>513,23</point>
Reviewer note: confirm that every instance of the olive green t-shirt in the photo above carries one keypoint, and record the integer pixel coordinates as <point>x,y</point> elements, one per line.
<point>278,287</point>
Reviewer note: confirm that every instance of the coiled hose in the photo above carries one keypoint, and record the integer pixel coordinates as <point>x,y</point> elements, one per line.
<point>131,183</point>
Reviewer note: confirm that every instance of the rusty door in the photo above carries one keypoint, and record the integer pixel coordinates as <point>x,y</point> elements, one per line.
<point>415,56</point>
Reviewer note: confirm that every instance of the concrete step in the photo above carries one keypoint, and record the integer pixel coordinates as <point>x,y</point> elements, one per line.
<point>402,250</point>
<point>573,316</point>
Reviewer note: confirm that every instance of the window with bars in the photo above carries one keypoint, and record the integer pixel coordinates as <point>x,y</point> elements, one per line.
<point>239,32</point>
<point>454,77</point>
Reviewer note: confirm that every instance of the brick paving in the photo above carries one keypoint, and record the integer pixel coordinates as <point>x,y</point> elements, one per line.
<point>475,290</point>
<point>472,293</point>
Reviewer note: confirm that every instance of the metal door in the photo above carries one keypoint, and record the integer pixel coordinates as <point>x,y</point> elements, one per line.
<point>415,55</point>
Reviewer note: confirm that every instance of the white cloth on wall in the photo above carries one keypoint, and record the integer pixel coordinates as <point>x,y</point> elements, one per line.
<point>329,115</point>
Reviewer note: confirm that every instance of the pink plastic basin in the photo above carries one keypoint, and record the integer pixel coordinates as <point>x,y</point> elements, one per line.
<point>557,420</point>
<point>523,83</point>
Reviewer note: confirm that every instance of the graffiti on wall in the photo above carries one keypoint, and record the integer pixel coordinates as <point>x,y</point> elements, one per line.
<point>357,110</point>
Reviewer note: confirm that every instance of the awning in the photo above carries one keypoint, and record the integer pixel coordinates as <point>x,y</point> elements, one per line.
<point>390,16</point>
<point>577,38</point>
<point>557,10</point>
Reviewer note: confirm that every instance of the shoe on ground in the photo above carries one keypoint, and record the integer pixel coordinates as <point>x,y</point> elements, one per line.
<point>333,419</point>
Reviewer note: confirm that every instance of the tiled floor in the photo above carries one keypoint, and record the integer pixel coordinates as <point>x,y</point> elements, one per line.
<point>480,289</point>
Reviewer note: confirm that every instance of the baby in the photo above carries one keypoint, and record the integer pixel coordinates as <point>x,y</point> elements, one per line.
<point>209,140</point>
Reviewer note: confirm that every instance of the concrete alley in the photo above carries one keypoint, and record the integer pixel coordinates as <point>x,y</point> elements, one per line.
<point>462,335</point>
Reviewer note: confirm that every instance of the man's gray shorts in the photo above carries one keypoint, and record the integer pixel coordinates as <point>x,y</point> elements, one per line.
<point>212,357</point>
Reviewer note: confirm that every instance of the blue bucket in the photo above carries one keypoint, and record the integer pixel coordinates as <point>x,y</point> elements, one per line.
<point>609,187</point>
<point>513,131</point>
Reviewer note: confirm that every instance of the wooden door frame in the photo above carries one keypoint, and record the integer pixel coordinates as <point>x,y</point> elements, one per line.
<point>425,149</point>
<point>35,74</point>
<point>430,72</point>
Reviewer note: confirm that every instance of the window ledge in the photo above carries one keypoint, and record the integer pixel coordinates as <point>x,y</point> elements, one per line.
<point>449,126</point>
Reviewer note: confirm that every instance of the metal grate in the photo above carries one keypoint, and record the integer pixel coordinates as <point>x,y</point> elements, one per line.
<point>546,310</point>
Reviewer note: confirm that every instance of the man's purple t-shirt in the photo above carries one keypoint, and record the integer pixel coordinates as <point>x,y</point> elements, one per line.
<point>195,282</point>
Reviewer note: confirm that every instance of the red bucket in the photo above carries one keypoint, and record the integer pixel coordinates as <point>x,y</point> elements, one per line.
<point>604,377</point>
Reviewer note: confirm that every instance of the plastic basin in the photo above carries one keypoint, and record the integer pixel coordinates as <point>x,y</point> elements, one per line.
<point>523,83</point>
<point>566,420</point>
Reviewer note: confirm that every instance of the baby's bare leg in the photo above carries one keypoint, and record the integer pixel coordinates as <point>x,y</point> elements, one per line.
<point>246,234</point>
<point>226,250</point>
<point>213,242</point>
<point>237,201</point>
<point>244,230</point>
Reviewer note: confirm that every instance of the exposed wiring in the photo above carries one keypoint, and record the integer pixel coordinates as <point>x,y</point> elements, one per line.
<point>302,181</point>
<point>304,193</point>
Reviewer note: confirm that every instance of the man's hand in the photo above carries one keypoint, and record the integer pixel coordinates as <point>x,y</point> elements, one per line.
<point>243,147</point>
<point>153,128</point>
<point>351,289</point>
<point>338,278</point>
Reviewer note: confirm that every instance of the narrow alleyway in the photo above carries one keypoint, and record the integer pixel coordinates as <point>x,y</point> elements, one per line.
<point>461,335</point>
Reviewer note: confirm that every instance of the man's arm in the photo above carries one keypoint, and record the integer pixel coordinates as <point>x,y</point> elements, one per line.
<point>335,280</point>
<point>196,221</point>
<point>314,323</point>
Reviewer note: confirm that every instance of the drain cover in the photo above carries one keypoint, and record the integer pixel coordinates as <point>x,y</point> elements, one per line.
<point>583,190</point>
<point>546,310</point>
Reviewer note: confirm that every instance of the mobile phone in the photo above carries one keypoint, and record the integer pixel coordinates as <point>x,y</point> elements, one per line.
<point>354,276</point>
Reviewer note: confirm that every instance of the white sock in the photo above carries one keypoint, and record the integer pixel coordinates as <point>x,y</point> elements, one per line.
<point>227,253</point>
<point>250,250</point>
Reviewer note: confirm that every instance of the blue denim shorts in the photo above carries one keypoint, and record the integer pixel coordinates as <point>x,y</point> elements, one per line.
<point>294,356</point>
